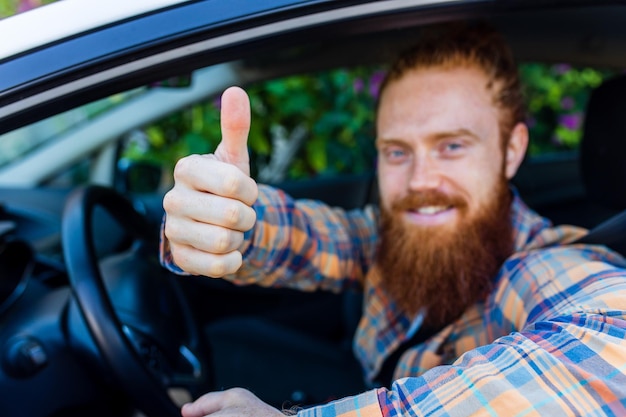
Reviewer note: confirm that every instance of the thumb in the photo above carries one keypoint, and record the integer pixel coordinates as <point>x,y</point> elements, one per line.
<point>235,124</point>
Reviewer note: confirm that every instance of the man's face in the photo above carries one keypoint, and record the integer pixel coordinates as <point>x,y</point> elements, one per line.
<point>438,134</point>
<point>443,173</point>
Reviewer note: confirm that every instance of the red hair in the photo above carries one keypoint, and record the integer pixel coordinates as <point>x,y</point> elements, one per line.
<point>478,46</point>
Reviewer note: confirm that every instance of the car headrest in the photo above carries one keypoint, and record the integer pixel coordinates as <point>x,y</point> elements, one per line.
<point>603,146</point>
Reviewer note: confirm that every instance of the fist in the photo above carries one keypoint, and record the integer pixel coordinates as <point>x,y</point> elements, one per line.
<point>209,208</point>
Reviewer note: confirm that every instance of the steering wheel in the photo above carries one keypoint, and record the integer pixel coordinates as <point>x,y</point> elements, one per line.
<point>138,319</point>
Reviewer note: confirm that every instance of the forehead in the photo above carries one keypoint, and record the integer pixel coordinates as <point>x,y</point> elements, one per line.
<point>436,99</point>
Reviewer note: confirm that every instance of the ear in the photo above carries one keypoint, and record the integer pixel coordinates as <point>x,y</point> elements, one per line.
<point>516,149</point>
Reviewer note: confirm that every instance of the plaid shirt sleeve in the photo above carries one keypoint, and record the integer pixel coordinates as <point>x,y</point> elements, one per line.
<point>307,245</point>
<point>569,357</point>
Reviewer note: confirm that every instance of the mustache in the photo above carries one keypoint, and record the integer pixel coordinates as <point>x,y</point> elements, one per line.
<point>419,199</point>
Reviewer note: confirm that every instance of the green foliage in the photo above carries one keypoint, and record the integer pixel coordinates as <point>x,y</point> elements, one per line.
<point>556,96</point>
<point>192,130</point>
<point>336,108</point>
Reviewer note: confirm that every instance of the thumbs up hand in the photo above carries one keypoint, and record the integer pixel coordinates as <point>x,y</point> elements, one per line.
<point>209,207</point>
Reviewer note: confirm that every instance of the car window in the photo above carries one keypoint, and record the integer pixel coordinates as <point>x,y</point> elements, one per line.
<point>315,125</point>
<point>26,140</point>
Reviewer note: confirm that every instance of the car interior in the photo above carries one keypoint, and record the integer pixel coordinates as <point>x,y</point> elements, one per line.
<point>92,323</point>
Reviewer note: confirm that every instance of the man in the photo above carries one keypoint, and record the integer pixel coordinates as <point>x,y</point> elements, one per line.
<point>486,308</point>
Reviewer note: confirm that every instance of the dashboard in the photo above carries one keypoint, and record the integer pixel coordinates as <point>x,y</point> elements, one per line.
<point>45,347</point>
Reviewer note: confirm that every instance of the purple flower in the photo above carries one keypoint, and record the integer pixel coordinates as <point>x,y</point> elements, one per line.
<point>26,5</point>
<point>571,121</point>
<point>561,69</point>
<point>358,85</point>
<point>217,102</point>
<point>567,103</point>
<point>375,81</point>
<point>531,122</point>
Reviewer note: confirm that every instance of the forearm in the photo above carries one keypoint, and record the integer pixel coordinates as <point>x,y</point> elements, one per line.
<point>552,368</point>
<point>306,244</point>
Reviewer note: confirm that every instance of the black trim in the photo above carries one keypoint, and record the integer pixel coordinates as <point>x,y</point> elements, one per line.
<point>157,31</point>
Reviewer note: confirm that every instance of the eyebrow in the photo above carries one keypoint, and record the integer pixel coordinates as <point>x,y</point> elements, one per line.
<point>454,133</point>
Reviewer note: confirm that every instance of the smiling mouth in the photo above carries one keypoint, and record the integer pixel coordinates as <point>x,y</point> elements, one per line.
<point>430,215</point>
<point>431,210</point>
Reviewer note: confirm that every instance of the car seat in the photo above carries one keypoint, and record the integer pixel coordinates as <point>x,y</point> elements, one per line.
<point>603,162</point>
<point>603,146</point>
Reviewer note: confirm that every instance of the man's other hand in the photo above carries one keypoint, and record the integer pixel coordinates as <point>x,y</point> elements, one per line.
<point>209,207</point>
<point>235,402</point>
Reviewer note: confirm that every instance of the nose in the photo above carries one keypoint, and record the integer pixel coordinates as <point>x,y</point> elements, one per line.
<point>426,174</point>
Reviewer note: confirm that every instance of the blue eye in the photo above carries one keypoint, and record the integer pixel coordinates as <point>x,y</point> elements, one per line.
<point>395,155</point>
<point>452,149</point>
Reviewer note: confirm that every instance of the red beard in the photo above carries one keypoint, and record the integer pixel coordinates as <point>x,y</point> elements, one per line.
<point>444,269</point>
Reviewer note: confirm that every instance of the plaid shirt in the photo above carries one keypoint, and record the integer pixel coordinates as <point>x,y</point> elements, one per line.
<point>549,340</point>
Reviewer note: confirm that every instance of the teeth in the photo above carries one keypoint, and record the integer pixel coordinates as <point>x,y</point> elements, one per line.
<point>431,209</point>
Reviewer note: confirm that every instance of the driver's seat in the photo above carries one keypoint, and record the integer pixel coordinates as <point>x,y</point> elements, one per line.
<point>603,146</point>
<point>603,161</point>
